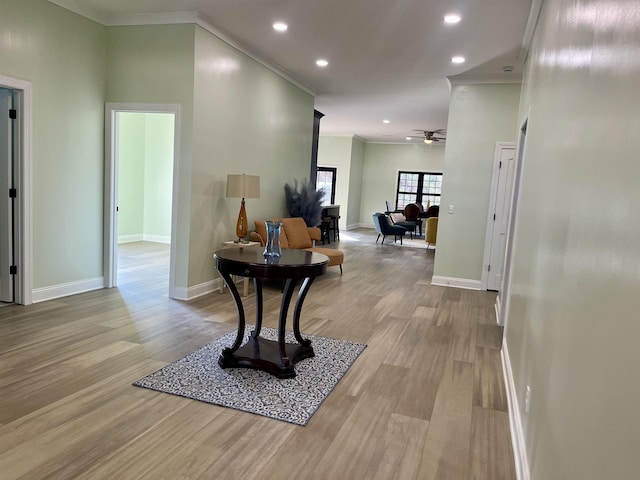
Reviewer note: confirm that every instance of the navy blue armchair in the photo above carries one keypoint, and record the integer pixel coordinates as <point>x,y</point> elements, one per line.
<point>384,228</point>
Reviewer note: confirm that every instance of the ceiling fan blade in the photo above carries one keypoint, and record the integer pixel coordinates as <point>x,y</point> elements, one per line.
<point>430,135</point>
<point>432,132</point>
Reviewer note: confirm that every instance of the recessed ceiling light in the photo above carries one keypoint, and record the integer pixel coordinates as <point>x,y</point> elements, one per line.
<point>457,59</point>
<point>408,138</point>
<point>280,27</point>
<point>322,62</point>
<point>386,121</point>
<point>452,18</point>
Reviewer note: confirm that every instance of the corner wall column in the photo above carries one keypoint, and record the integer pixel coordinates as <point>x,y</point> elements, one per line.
<point>314,146</point>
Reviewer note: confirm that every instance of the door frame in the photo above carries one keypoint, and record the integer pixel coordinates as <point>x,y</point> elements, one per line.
<point>502,299</point>
<point>110,262</point>
<point>500,146</point>
<point>23,235</point>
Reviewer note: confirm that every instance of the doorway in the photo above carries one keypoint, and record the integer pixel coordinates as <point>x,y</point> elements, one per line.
<point>8,143</point>
<point>15,185</point>
<point>140,181</point>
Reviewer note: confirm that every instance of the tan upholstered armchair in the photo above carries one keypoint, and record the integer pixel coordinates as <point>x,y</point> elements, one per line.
<point>296,234</point>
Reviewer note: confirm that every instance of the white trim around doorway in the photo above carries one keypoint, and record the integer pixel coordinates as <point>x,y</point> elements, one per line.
<point>23,233</point>
<point>110,187</point>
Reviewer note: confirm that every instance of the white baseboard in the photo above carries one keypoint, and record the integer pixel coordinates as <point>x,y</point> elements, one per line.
<point>73,288</point>
<point>66,289</point>
<point>456,282</point>
<point>144,237</point>
<point>515,422</point>
<point>156,238</point>
<point>129,238</point>
<point>189,293</point>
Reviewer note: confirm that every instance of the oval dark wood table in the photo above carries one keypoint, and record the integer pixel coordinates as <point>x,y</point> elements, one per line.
<point>275,357</point>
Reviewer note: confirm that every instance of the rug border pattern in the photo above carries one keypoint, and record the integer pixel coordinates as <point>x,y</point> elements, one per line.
<point>198,376</point>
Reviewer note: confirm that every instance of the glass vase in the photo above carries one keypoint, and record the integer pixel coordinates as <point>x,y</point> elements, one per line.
<point>272,248</point>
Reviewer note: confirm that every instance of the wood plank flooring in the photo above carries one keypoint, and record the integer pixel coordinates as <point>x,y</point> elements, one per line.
<point>425,400</point>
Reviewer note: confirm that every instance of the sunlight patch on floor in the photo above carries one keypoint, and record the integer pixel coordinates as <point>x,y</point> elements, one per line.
<point>344,236</point>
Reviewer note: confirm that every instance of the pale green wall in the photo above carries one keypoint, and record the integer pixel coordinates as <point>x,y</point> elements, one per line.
<point>247,120</point>
<point>346,153</point>
<point>158,178</point>
<point>131,168</point>
<point>479,116</point>
<point>355,183</point>
<point>572,329</point>
<point>145,168</point>
<point>382,162</point>
<point>155,64</point>
<point>336,152</point>
<point>63,56</point>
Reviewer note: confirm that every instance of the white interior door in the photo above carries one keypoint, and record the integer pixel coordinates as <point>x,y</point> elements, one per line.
<point>6,202</point>
<point>505,164</point>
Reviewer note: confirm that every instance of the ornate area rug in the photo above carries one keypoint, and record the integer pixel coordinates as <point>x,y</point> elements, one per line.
<point>294,400</point>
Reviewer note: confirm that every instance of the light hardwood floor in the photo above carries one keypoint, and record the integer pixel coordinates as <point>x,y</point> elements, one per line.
<point>426,399</point>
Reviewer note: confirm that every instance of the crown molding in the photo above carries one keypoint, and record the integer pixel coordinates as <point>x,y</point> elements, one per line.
<point>484,79</point>
<point>532,21</point>
<point>353,136</point>
<point>438,144</point>
<point>79,7</point>
<point>345,135</point>
<point>153,19</point>
<point>204,22</point>
<point>197,18</point>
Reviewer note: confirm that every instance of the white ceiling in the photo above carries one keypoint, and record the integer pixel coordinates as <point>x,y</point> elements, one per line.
<point>388,59</point>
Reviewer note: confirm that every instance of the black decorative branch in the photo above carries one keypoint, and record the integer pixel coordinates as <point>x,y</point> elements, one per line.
<point>304,201</point>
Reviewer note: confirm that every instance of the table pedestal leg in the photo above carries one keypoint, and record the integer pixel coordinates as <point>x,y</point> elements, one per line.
<point>241,320</point>
<point>257,286</point>
<point>304,289</point>
<point>275,357</point>
<point>289,287</point>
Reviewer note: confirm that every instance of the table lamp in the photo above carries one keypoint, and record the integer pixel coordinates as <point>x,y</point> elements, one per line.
<point>242,186</point>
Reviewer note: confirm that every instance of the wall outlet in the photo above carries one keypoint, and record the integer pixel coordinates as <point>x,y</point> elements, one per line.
<point>527,399</point>
<point>450,208</point>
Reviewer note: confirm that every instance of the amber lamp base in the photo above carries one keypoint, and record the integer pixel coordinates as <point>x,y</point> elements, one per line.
<point>241,224</point>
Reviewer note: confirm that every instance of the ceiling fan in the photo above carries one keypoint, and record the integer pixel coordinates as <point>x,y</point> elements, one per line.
<point>430,136</point>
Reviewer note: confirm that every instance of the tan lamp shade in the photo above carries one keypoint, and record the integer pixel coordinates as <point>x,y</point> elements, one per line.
<point>243,186</point>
